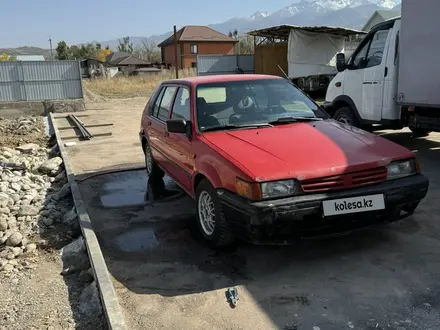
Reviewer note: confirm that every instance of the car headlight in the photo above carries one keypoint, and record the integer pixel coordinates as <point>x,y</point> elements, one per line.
<point>402,169</point>
<point>278,188</point>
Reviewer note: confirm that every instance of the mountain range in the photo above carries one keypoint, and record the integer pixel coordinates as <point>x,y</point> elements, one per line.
<point>343,13</point>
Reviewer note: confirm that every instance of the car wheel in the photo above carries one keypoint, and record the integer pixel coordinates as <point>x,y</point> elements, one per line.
<point>211,220</point>
<point>419,131</point>
<point>153,170</point>
<point>345,115</point>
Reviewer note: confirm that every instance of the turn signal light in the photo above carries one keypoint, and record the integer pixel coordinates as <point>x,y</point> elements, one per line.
<point>249,190</point>
<point>338,84</point>
<point>417,166</point>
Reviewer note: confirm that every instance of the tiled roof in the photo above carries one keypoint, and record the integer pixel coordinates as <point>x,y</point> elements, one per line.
<point>197,33</point>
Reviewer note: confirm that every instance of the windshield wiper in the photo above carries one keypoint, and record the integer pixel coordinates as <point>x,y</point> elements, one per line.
<point>287,120</point>
<point>233,126</point>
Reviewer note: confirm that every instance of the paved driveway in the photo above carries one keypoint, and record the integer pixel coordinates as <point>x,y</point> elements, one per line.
<point>384,278</point>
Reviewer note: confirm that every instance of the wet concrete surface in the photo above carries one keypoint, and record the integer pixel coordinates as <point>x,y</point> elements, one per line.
<point>127,189</point>
<point>165,277</point>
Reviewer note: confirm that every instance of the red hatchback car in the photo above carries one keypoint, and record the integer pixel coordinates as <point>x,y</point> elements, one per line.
<point>265,163</point>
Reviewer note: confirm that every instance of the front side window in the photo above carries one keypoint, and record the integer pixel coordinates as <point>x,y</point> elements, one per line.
<point>252,102</point>
<point>165,104</point>
<point>181,107</point>
<point>371,53</point>
<point>377,47</point>
<point>358,61</point>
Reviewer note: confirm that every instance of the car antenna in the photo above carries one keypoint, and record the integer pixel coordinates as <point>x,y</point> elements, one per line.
<point>286,76</point>
<point>294,85</point>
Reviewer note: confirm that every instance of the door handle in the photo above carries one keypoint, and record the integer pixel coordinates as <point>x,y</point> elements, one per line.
<point>166,134</point>
<point>148,123</point>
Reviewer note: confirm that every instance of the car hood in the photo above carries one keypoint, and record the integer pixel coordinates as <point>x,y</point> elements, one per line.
<point>306,150</point>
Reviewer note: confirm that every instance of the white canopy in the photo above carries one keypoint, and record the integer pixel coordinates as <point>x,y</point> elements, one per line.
<point>313,53</point>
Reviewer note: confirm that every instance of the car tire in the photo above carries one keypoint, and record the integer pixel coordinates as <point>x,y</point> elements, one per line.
<point>420,132</point>
<point>215,232</point>
<point>346,115</point>
<point>153,170</point>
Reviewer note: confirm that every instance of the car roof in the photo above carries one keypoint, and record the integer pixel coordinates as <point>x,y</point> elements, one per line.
<point>221,78</point>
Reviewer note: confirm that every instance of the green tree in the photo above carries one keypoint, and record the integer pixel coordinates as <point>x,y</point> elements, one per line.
<point>62,51</point>
<point>98,46</point>
<point>125,45</point>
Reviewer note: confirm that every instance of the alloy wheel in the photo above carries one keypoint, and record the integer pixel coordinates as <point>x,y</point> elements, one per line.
<point>206,211</point>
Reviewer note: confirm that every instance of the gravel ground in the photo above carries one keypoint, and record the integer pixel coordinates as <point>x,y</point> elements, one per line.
<point>45,276</point>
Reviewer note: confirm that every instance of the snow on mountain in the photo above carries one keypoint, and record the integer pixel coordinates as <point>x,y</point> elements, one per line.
<point>259,15</point>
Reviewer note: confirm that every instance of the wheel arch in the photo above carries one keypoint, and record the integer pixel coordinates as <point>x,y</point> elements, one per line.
<point>144,142</point>
<point>209,173</point>
<point>346,101</point>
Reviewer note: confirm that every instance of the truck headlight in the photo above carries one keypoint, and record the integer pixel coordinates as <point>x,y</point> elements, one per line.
<point>402,169</point>
<point>275,189</point>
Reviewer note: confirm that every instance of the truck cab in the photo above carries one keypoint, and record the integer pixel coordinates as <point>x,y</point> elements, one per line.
<point>364,90</point>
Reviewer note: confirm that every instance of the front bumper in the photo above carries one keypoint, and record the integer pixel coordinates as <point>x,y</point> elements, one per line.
<point>283,220</point>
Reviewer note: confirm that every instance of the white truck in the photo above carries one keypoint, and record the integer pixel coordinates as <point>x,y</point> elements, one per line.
<point>392,79</point>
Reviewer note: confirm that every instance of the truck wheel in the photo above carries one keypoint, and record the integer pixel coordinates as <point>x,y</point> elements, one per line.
<point>345,115</point>
<point>419,131</point>
<point>211,220</point>
<point>153,170</point>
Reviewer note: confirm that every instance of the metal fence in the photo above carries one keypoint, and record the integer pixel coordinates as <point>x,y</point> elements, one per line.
<point>38,80</point>
<point>224,64</point>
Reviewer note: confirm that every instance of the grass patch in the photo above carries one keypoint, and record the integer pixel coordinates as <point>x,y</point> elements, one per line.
<point>123,87</point>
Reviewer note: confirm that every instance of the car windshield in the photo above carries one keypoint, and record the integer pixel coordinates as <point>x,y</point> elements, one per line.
<point>244,104</point>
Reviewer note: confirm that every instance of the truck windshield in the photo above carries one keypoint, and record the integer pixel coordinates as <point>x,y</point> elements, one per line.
<point>241,104</point>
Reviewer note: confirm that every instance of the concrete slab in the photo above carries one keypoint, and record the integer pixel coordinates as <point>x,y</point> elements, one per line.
<point>121,149</point>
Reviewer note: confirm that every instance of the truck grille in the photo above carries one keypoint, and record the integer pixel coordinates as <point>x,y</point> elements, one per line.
<point>345,181</point>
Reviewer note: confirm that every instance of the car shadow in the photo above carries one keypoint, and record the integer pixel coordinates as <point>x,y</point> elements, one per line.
<point>375,279</point>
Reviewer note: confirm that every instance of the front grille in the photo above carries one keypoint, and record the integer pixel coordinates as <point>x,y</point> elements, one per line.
<point>345,181</point>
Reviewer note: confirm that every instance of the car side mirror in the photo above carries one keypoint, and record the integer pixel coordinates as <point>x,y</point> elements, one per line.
<point>340,62</point>
<point>180,126</point>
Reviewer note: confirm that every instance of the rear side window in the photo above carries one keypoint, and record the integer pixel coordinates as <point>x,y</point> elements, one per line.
<point>181,107</point>
<point>165,104</point>
<point>155,108</point>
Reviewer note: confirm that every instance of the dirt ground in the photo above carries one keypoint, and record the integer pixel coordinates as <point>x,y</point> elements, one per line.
<point>384,278</point>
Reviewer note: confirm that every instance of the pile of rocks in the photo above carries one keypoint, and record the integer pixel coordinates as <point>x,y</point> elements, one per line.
<point>18,131</point>
<point>20,126</point>
<point>34,196</point>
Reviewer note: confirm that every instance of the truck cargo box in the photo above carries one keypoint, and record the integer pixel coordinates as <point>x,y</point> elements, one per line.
<point>419,57</point>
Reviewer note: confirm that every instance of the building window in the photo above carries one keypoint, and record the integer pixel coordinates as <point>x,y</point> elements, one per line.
<point>194,64</point>
<point>194,49</point>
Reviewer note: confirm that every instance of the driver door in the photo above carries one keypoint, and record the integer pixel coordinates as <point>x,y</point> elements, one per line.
<point>374,76</point>
<point>365,77</point>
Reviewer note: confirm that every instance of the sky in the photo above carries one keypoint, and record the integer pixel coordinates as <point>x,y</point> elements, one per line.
<point>31,22</point>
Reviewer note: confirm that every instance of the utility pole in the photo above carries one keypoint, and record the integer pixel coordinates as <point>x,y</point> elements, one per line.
<point>175,52</point>
<point>51,50</point>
